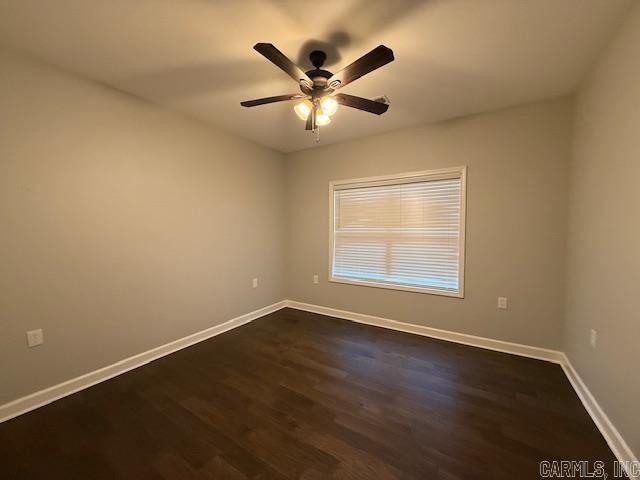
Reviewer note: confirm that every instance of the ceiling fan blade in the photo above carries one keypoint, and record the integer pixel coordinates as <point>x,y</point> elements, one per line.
<point>361,103</point>
<point>278,98</point>
<point>376,58</point>
<point>279,59</point>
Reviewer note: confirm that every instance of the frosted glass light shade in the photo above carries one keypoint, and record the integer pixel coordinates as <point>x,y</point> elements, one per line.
<point>329,105</point>
<point>303,109</point>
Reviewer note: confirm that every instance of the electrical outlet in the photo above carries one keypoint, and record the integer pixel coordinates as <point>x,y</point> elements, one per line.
<point>35,338</point>
<point>502,303</point>
<point>593,338</point>
<point>255,283</point>
<point>315,279</point>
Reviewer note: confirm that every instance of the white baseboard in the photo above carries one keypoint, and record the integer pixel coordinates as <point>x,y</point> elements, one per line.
<point>48,395</point>
<point>613,438</point>
<point>472,340</point>
<point>616,442</point>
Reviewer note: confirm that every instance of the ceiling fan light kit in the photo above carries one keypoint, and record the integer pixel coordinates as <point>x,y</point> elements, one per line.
<point>318,86</point>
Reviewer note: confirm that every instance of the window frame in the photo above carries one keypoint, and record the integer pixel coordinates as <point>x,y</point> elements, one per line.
<point>399,179</point>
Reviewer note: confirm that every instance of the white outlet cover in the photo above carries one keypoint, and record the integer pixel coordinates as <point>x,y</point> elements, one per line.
<point>315,279</point>
<point>255,283</point>
<point>502,303</point>
<point>35,338</point>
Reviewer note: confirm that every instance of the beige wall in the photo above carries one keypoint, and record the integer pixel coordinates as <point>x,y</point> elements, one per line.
<point>516,220</point>
<point>123,226</point>
<point>603,282</point>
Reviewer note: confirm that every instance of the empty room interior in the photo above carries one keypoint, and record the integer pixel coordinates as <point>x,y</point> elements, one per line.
<point>290,239</point>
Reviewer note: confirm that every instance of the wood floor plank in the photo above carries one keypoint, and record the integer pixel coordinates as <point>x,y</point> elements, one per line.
<point>296,395</point>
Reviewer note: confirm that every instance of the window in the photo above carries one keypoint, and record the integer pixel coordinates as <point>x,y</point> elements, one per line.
<point>402,232</point>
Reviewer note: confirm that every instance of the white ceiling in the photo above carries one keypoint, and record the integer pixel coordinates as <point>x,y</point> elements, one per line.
<point>453,57</point>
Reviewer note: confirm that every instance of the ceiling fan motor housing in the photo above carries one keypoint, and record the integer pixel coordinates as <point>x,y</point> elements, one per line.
<point>318,76</point>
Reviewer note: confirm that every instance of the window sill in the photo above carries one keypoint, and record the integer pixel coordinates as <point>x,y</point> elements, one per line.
<point>405,288</point>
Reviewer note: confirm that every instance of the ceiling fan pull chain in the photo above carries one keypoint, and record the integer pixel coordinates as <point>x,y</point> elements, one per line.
<point>317,134</point>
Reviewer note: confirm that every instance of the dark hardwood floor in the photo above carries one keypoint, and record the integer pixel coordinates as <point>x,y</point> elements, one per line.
<point>296,395</point>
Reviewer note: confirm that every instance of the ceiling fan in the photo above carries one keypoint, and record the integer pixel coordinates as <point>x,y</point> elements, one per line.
<point>318,86</point>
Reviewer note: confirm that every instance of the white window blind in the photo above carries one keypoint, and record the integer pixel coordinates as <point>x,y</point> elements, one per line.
<point>405,233</point>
